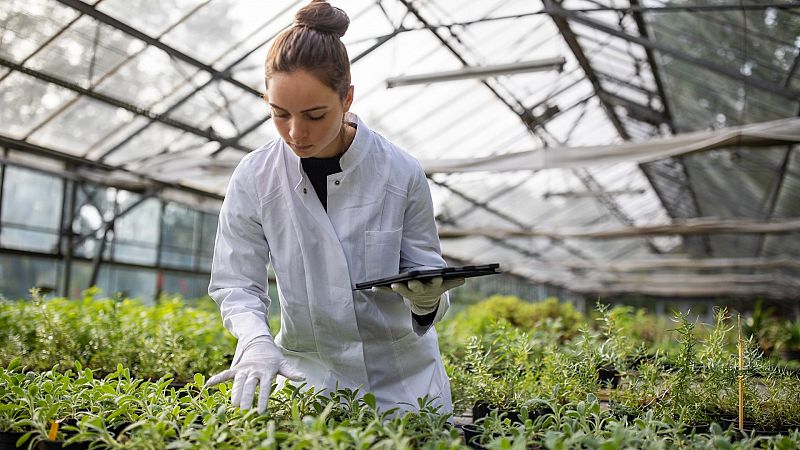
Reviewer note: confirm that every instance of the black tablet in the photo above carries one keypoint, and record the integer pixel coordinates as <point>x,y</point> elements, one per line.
<point>426,274</point>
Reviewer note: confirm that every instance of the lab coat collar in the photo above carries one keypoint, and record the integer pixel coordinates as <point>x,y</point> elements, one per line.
<point>352,157</point>
<point>358,148</point>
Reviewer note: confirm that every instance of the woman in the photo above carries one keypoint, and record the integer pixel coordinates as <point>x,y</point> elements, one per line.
<point>328,204</point>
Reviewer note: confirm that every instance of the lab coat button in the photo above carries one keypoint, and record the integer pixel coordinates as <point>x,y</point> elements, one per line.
<point>337,182</point>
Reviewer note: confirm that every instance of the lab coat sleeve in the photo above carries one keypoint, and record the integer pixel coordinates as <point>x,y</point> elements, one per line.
<point>420,244</point>
<point>239,283</point>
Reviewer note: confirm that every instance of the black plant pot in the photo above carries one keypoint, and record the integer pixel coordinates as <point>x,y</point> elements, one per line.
<point>8,440</point>
<point>472,434</point>
<point>696,428</point>
<point>751,428</point>
<point>483,409</point>
<point>609,376</point>
<point>58,445</point>
<point>790,354</point>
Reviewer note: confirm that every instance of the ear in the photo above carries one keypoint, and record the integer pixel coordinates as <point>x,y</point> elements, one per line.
<point>348,99</point>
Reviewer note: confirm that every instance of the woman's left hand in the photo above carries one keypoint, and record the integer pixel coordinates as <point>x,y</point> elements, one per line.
<point>424,297</point>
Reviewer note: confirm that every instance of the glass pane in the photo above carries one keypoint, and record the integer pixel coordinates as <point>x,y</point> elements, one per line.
<point>27,101</point>
<point>31,210</point>
<point>130,283</point>
<point>75,129</point>
<point>136,232</point>
<point>153,140</point>
<point>80,275</point>
<point>20,273</point>
<point>207,236</point>
<point>178,235</point>
<point>75,57</point>
<point>188,285</point>
<point>152,17</point>
<point>213,31</point>
<point>26,24</point>
<point>94,205</point>
<point>149,77</point>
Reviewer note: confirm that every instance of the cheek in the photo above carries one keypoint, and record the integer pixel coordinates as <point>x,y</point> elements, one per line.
<point>331,129</point>
<point>282,128</point>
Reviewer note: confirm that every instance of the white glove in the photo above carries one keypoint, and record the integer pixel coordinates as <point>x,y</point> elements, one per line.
<point>424,297</point>
<point>261,361</point>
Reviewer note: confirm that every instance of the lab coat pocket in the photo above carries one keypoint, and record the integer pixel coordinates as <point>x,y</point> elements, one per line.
<point>382,253</point>
<point>419,361</point>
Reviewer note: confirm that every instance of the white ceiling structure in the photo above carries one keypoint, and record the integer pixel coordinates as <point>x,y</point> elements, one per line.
<point>655,152</point>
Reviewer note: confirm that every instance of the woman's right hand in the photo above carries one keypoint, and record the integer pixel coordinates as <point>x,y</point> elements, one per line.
<point>260,363</point>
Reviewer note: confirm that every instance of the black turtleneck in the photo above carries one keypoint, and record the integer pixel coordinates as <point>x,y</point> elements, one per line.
<point>317,170</point>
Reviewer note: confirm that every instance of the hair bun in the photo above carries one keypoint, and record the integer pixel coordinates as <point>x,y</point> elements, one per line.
<point>321,16</point>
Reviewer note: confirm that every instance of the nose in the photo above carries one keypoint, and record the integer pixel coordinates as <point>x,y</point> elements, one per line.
<point>297,131</point>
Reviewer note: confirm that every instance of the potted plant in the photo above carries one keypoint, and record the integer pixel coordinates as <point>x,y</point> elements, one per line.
<point>789,341</point>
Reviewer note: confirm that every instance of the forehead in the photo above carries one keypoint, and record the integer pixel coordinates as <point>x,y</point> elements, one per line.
<point>299,90</point>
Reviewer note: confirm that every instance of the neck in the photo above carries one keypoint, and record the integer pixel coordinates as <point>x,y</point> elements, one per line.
<point>346,137</point>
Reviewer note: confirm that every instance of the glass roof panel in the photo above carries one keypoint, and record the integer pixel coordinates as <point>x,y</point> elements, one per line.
<point>34,101</point>
<point>150,76</point>
<point>74,129</point>
<point>765,51</point>
<point>154,139</point>
<point>595,129</point>
<point>224,107</point>
<point>28,24</point>
<point>260,136</point>
<point>85,53</point>
<point>152,17</point>
<point>738,190</point>
<point>208,34</point>
<point>114,137</point>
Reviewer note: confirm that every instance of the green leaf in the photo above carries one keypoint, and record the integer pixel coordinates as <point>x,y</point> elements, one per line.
<point>16,362</point>
<point>369,399</point>
<point>199,379</point>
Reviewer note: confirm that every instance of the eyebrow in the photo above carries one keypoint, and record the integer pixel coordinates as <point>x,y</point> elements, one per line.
<point>303,111</point>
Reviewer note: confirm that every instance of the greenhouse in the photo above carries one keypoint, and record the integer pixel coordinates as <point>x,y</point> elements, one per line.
<point>631,166</point>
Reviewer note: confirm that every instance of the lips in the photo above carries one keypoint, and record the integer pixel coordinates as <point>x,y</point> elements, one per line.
<point>301,148</point>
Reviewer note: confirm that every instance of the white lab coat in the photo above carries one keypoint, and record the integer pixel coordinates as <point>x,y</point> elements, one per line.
<point>379,222</point>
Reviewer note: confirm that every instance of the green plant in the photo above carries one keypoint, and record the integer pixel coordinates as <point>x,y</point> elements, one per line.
<point>153,341</point>
<point>789,336</point>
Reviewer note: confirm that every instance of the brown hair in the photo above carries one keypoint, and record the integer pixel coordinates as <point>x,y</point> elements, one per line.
<point>313,44</point>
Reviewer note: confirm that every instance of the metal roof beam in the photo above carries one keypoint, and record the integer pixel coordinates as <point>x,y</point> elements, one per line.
<point>635,9</point>
<point>583,61</point>
<point>479,72</point>
<point>636,110</point>
<point>761,5</point>
<point>209,135</point>
<point>91,11</point>
<point>674,291</point>
<point>108,73</point>
<point>34,149</point>
<point>564,15</point>
<point>682,263</point>
<point>526,114</point>
<point>523,227</point>
<point>523,113</point>
<point>772,195</point>
<point>651,61</point>
<point>677,228</point>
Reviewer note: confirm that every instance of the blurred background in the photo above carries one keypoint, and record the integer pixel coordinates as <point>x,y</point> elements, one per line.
<point>642,152</point>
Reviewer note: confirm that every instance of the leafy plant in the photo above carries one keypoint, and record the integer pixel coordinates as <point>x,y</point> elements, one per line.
<point>153,341</point>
